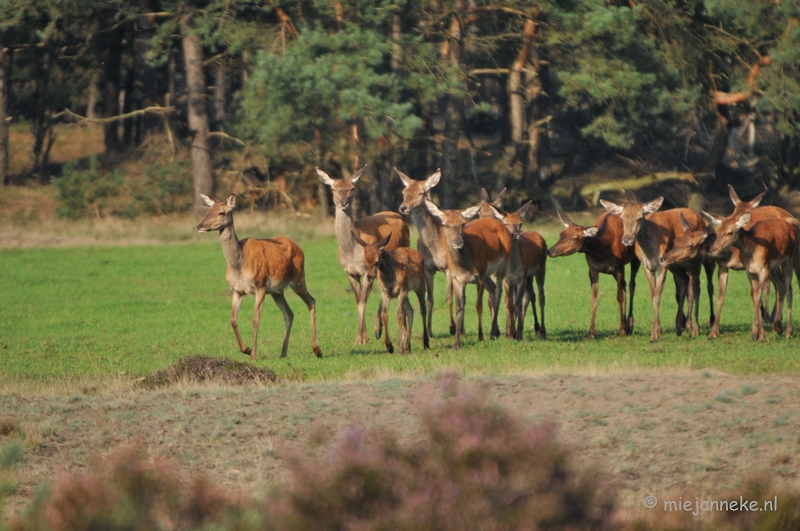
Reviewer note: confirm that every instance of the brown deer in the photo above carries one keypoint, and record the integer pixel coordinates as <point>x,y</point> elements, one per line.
<point>431,243</point>
<point>259,267</point>
<point>696,242</point>
<point>486,205</point>
<point>602,246</point>
<point>371,229</point>
<point>765,246</point>
<point>398,271</point>
<point>653,234</point>
<point>475,251</point>
<point>526,261</point>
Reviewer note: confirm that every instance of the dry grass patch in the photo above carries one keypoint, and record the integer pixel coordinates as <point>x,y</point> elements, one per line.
<point>206,369</point>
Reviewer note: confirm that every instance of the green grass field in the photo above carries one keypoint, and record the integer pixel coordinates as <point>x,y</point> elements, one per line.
<point>105,313</point>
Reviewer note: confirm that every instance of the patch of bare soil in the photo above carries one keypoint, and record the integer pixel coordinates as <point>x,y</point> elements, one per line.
<point>663,434</point>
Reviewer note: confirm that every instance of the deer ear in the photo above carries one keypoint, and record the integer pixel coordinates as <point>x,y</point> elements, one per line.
<point>231,202</point>
<point>472,211</point>
<point>653,205</point>
<point>757,199</point>
<point>484,195</point>
<point>358,240</point>
<point>712,220</point>
<point>405,179</point>
<point>734,196</point>
<point>565,220</point>
<point>498,202</point>
<point>208,200</point>
<point>611,207</point>
<point>324,177</point>
<point>495,213</point>
<point>523,210</point>
<point>685,223</point>
<point>743,220</point>
<point>433,180</point>
<point>433,209</point>
<point>590,231</point>
<point>357,175</point>
<point>384,242</point>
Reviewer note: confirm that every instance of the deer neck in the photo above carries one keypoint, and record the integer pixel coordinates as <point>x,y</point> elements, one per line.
<point>430,233</point>
<point>351,255</point>
<point>648,242</point>
<point>459,263</point>
<point>514,262</point>
<point>231,247</point>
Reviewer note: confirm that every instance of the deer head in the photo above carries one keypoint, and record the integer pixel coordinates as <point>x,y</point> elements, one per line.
<point>414,193</point>
<point>219,214</point>
<point>632,216</point>
<point>343,189</point>
<point>453,222</point>
<point>373,253</point>
<point>570,240</point>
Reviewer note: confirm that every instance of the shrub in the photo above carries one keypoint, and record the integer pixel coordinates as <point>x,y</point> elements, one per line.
<point>86,192</point>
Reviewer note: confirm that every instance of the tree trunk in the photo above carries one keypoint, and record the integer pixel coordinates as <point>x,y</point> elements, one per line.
<point>322,193</point>
<point>112,87</point>
<point>151,85</point>
<point>451,51</point>
<point>202,171</point>
<point>221,92</point>
<point>5,77</point>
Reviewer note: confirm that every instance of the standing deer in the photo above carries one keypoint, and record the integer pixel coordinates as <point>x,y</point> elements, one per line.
<point>526,261</point>
<point>431,243</point>
<point>766,245</point>
<point>602,246</point>
<point>259,267</point>
<point>371,229</point>
<point>654,234</point>
<point>475,251</point>
<point>398,271</point>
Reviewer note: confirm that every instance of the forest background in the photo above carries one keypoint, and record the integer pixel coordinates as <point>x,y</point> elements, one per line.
<point>544,97</point>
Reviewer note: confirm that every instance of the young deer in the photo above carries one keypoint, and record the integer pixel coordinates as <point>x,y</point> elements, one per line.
<point>765,246</point>
<point>399,271</point>
<point>602,246</point>
<point>259,267</point>
<point>371,229</point>
<point>526,261</point>
<point>431,243</point>
<point>475,251</point>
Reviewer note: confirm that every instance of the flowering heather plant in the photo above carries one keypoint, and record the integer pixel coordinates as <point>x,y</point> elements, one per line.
<point>476,467</point>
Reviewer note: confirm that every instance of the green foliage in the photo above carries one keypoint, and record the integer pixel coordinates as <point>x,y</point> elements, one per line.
<point>167,189</point>
<point>86,192</point>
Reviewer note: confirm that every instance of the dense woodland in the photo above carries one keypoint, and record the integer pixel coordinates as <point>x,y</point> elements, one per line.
<point>524,94</point>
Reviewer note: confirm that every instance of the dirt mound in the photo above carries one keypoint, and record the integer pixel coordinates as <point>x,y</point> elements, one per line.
<point>208,369</point>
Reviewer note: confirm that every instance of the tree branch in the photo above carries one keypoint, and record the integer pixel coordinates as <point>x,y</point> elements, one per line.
<point>81,119</point>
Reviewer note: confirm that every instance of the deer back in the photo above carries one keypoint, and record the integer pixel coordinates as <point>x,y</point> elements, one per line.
<point>402,268</point>
<point>769,240</point>
<point>488,244</point>
<point>532,251</point>
<point>270,262</point>
<point>375,228</point>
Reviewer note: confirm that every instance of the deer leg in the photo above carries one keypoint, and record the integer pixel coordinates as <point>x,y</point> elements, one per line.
<point>540,274</point>
<point>449,301</point>
<point>709,266</point>
<point>479,308</point>
<point>300,288</point>
<point>236,305</point>
<point>682,281</point>
<point>423,311</point>
<point>656,279</point>
<point>378,321</point>
<point>260,294</point>
<point>722,279</point>
<point>429,273</point>
<point>635,264</point>
<point>288,319</point>
<point>384,307</point>
<point>620,276</point>
<point>693,305</point>
<point>780,296</point>
<point>358,291</point>
<point>756,292</point>
<point>788,271</point>
<point>460,293</point>
<point>408,326</point>
<point>511,313</point>
<point>594,279</point>
<point>498,296</point>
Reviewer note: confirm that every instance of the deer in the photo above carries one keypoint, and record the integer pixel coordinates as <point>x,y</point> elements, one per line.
<point>694,242</point>
<point>602,246</point>
<point>475,251</point>
<point>653,234</point>
<point>371,229</point>
<point>398,271</point>
<point>765,246</point>
<point>432,243</point>
<point>527,260</point>
<point>258,267</point>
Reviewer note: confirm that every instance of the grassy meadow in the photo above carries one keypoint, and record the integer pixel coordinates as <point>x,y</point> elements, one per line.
<point>107,313</point>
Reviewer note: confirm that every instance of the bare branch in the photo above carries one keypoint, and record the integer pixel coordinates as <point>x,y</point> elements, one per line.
<point>66,113</point>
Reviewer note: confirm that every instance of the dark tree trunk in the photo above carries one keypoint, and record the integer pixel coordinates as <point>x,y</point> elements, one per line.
<point>454,112</point>
<point>112,81</point>
<point>322,193</point>
<point>221,92</point>
<point>202,171</point>
<point>5,77</point>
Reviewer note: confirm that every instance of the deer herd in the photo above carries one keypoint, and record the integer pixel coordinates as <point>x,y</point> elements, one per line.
<point>484,245</point>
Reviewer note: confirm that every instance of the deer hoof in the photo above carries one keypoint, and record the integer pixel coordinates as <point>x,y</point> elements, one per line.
<point>247,350</point>
<point>452,329</point>
<point>317,351</point>
<point>390,348</point>
<point>754,337</point>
